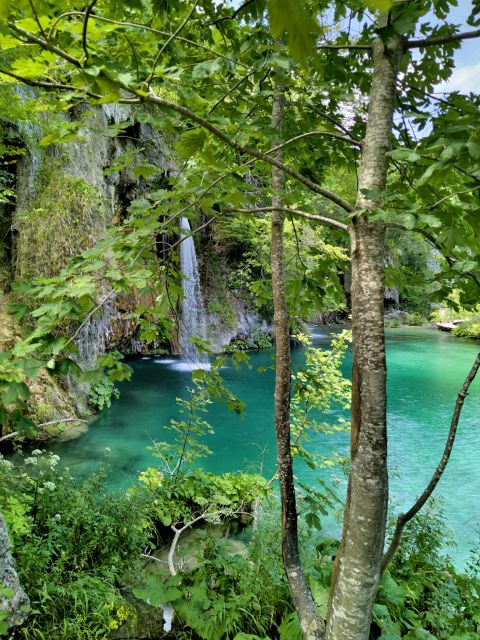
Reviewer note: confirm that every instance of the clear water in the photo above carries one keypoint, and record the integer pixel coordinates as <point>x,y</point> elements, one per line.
<point>425,371</point>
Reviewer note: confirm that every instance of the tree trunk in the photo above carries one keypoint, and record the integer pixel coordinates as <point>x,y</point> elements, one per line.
<point>312,627</point>
<point>357,567</point>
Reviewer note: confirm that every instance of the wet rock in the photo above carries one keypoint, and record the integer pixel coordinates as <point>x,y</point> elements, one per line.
<point>13,598</point>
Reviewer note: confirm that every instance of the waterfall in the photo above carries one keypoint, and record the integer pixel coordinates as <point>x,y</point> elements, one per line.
<point>192,309</point>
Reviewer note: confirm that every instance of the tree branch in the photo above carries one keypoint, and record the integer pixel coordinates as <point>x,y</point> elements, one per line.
<point>327,134</point>
<point>264,157</point>
<point>169,40</point>
<point>433,241</point>
<point>451,195</point>
<point>176,537</point>
<point>136,25</point>
<point>46,45</point>
<point>152,98</point>
<point>85,27</point>
<point>340,47</point>
<point>55,86</point>
<point>295,212</point>
<point>14,434</point>
<point>35,15</point>
<point>453,37</point>
<point>404,518</point>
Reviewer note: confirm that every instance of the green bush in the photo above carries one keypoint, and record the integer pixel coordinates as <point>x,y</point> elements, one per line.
<point>470,329</point>
<point>422,595</point>
<point>75,545</point>
<point>183,497</point>
<point>101,393</point>
<point>415,319</point>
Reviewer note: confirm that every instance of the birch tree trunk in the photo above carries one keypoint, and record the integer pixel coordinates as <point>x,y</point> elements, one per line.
<point>312,627</point>
<point>357,568</point>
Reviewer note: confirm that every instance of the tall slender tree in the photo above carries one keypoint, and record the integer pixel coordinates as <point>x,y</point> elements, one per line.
<point>45,50</point>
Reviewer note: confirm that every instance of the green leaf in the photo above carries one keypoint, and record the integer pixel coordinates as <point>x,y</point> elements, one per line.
<point>191,142</point>
<point>291,16</point>
<point>15,391</point>
<point>474,149</point>
<point>5,8</point>
<point>391,590</point>
<point>145,171</point>
<point>380,5</point>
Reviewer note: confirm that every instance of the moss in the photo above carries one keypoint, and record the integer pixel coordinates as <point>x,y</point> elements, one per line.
<point>66,218</point>
<point>48,399</point>
<point>217,296</point>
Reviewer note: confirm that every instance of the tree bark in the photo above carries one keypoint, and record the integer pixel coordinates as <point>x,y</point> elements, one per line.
<point>312,626</point>
<point>357,568</point>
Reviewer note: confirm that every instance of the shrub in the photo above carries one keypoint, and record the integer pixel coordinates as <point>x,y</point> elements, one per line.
<point>470,329</point>
<point>101,393</point>
<point>74,546</point>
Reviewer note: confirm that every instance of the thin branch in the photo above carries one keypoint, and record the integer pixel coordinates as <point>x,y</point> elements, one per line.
<point>46,85</point>
<point>264,157</point>
<point>176,537</point>
<point>189,235</point>
<point>14,434</point>
<point>327,134</point>
<point>435,243</point>
<point>404,518</point>
<point>9,436</point>
<point>136,25</point>
<point>55,86</point>
<point>340,47</point>
<point>35,15</point>
<point>451,195</point>
<point>89,315</point>
<point>46,424</point>
<point>46,45</point>
<point>327,117</point>
<point>453,37</point>
<point>169,40</point>
<point>235,86</point>
<point>234,14</point>
<point>297,212</point>
<point>85,27</point>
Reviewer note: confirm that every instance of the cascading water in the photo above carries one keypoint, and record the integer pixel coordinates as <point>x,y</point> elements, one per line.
<point>193,320</point>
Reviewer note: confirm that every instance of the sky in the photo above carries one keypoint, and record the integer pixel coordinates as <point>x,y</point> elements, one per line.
<point>466,76</point>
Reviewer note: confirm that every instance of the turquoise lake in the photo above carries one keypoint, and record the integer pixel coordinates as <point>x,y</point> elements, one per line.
<point>425,371</point>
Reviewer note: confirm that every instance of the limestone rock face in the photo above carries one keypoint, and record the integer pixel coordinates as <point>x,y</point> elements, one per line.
<point>12,597</point>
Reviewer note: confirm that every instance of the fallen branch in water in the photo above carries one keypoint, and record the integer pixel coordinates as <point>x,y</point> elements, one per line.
<point>14,434</point>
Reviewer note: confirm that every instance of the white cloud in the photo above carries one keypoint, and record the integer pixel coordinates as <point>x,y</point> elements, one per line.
<point>465,79</point>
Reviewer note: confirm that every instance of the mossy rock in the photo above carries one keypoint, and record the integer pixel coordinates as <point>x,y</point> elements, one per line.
<point>66,218</point>
<point>48,399</point>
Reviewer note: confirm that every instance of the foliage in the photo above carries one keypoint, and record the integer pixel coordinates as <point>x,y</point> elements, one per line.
<point>101,393</point>
<point>422,595</point>
<point>229,594</point>
<point>470,329</point>
<point>65,218</point>
<point>218,74</point>
<point>313,265</point>
<point>180,498</point>
<point>73,544</point>
<point>318,389</point>
<point>451,310</point>
<point>258,340</point>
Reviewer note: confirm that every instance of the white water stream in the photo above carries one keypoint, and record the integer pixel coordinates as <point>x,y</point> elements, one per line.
<point>193,319</point>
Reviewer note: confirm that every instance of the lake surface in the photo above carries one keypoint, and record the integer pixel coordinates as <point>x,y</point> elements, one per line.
<point>426,369</point>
